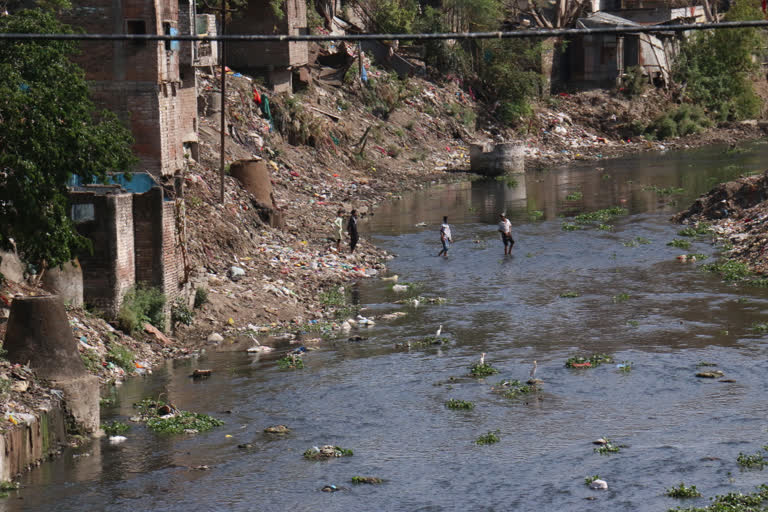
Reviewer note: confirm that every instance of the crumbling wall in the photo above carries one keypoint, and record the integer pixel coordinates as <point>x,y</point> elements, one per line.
<point>32,440</point>
<point>109,270</point>
<point>489,160</point>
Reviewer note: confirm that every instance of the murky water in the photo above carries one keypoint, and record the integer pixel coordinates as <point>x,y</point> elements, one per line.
<point>388,405</point>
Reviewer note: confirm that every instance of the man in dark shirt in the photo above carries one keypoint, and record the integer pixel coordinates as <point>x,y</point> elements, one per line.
<point>352,230</point>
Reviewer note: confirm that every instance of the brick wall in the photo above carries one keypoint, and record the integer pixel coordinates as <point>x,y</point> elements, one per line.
<point>109,271</point>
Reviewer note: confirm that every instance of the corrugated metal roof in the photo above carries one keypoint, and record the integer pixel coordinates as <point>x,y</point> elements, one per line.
<point>603,18</point>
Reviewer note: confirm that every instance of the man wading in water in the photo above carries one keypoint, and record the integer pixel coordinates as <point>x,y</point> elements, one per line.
<point>445,237</point>
<point>352,230</point>
<point>505,228</point>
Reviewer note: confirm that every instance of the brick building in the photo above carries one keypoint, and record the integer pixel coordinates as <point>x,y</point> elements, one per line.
<point>278,60</point>
<point>136,240</point>
<point>149,84</point>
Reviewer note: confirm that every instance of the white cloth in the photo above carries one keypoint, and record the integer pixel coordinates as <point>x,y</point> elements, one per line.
<point>505,227</point>
<point>445,229</point>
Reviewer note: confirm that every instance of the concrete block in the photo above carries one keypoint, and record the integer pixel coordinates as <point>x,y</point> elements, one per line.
<point>11,267</point>
<point>66,282</point>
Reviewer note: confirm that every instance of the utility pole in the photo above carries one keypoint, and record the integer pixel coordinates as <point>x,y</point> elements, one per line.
<point>223,95</point>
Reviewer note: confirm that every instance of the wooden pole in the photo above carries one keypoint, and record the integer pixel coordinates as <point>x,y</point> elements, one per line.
<point>223,96</point>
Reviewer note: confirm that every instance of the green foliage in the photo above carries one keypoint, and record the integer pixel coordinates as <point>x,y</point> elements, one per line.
<point>716,65</point>
<point>332,297</point>
<point>700,229</point>
<point>201,297</point>
<point>6,487</point>
<point>115,427</point>
<point>489,438</point>
<point>625,366</point>
<point>366,480</point>
<point>685,120</point>
<point>735,502</point>
<point>683,492</point>
<point>514,388</point>
<point>291,362</point>
<point>587,362</point>
<point>588,480</point>
<point>314,20</point>
<point>569,294</point>
<point>730,270</point>
<point>50,130</point>
<point>636,241</point>
<point>621,297</point>
<point>141,305</point>
<point>607,448</point>
<point>574,196</point>
<point>570,227</point>
<point>604,215</point>
<point>394,16</point>
<point>91,360</point>
<point>680,244</point>
<point>463,113</point>
<point>276,6</point>
<point>338,451</point>
<point>180,312</point>
<point>482,370</point>
<point>384,94</point>
<point>121,356</point>
<point>756,460</point>
<point>634,83</point>
<point>183,421</point>
<point>454,403</point>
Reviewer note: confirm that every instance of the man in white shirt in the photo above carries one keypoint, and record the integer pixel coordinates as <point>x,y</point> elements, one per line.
<point>445,237</point>
<point>505,228</point>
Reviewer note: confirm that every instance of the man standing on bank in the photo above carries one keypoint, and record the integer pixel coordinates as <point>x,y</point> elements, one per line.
<point>505,228</point>
<point>352,230</point>
<point>445,237</point>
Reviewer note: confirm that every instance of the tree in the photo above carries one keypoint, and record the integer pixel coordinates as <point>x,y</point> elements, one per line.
<point>49,130</point>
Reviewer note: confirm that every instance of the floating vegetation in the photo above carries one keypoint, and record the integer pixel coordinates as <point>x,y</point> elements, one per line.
<point>569,294</point>
<point>106,402</point>
<point>366,480</point>
<point>277,429</point>
<point>633,323</point>
<point>588,480</point>
<point>574,196</point>
<point>622,297</point>
<point>605,227</point>
<point>730,270</point>
<point>455,403</point>
<point>705,363</point>
<point>696,256</point>
<point>291,362</point>
<point>734,502</point>
<point>514,388</point>
<point>570,227</point>
<point>114,428</point>
<point>482,369</point>
<point>700,229</point>
<point>680,244</point>
<point>760,327</point>
<point>6,487</point>
<point>327,452</point>
<point>164,418</point>
<point>636,242</point>
<point>535,214</point>
<point>668,191</point>
<point>600,215</point>
<point>607,447</point>
<point>423,343</point>
<point>682,491</point>
<point>714,374</point>
<point>756,460</point>
<point>590,362</point>
<point>625,366</point>
<point>489,438</point>
<point>418,300</point>
<point>509,181</point>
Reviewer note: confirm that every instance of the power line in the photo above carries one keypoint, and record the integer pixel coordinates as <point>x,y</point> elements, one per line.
<point>515,34</point>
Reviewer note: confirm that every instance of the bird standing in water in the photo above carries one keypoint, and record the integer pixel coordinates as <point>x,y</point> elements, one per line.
<point>482,359</point>
<point>533,370</point>
<point>439,330</point>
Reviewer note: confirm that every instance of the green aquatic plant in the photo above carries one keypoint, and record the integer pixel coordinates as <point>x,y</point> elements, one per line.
<point>633,323</point>
<point>366,480</point>
<point>588,480</point>
<point>183,422</point>
<point>327,452</point>
<point>760,327</point>
<point>489,438</point>
<point>696,256</point>
<point>605,227</point>
<point>570,227</point>
<point>569,294</point>
<point>514,388</point>
<point>588,362</point>
<point>509,181</point>
<point>636,241</point>
<point>680,244</point>
<point>734,502</point>
<point>756,460</point>
<point>455,403</point>
<point>663,191</point>
<point>622,297</point>
<point>604,215</point>
<point>114,428</point>
<point>700,229</point>
<point>625,366</point>
<point>607,448</point>
<point>291,362</point>
<point>574,196</point>
<point>682,491</point>
<point>730,270</point>
<point>482,370</point>
<point>535,214</point>
<point>6,487</point>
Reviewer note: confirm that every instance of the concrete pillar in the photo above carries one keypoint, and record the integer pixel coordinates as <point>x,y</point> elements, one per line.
<point>39,334</point>
<point>255,177</point>
<point>66,282</point>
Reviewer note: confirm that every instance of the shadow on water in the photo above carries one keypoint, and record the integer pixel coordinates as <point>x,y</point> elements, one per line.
<point>631,299</point>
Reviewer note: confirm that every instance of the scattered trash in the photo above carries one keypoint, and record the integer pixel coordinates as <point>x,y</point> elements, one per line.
<point>599,485</point>
<point>117,439</point>
<point>714,374</point>
<point>327,451</point>
<point>277,429</point>
<point>200,374</point>
<point>215,338</point>
<point>399,288</point>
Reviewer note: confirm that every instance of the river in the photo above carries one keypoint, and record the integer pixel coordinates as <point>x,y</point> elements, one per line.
<point>634,301</point>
